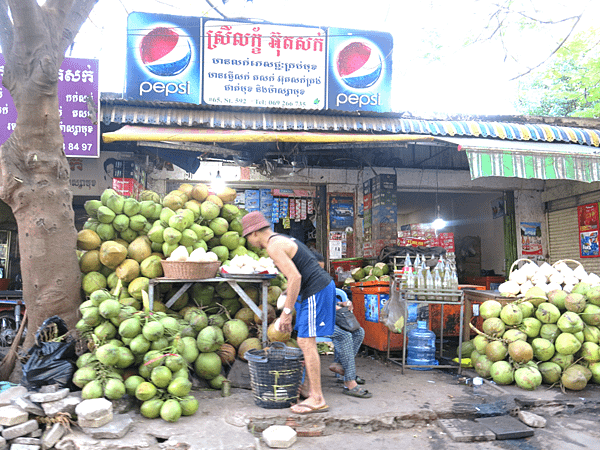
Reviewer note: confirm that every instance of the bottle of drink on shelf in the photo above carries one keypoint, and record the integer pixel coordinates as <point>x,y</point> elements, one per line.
<point>410,285</point>
<point>417,263</point>
<point>421,284</point>
<point>454,278</point>
<point>429,283</point>
<point>437,284</point>
<point>406,269</point>
<point>447,280</point>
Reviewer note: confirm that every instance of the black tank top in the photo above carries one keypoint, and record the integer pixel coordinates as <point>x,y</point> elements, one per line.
<point>314,278</point>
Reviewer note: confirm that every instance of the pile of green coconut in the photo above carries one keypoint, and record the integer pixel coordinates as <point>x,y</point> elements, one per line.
<point>152,355</point>
<point>376,272</point>
<point>541,337</point>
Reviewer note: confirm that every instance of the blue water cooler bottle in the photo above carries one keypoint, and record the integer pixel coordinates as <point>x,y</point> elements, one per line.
<point>421,347</point>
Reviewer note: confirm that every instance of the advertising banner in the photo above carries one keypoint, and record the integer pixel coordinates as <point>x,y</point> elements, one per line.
<point>163,58</point>
<point>263,65</point>
<point>77,87</point>
<point>256,64</point>
<point>359,70</point>
<point>589,223</point>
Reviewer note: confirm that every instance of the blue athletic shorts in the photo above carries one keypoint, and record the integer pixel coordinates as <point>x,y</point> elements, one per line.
<point>315,316</point>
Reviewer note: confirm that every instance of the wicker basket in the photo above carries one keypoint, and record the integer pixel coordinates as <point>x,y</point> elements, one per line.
<point>190,270</point>
<point>565,261</point>
<point>514,264</point>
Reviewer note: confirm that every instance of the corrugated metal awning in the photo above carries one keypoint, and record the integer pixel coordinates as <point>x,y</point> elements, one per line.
<point>497,158</point>
<point>143,113</point>
<point>178,134</point>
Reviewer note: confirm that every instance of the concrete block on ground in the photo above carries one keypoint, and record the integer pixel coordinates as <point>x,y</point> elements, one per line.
<point>35,433</point>
<point>64,405</point>
<point>117,428</point>
<point>23,429</point>
<point>11,393</point>
<point>506,427</point>
<point>94,413</point>
<point>279,436</point>
<point>27,405</point>
<point>27,441</point>
<point>93,408</point>
<point>44,397</point>
<point>532,420</point>
<point>463,430</point>
<point>52,435</point>
<point>3,444</point>
<point>47,388</point>
<point>25,447</point>
<point>12,415</point>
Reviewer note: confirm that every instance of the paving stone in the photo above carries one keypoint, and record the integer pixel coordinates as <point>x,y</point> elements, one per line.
<point>463,430</point>
<point>117,428</point>
<point>52,435</point>
<point>11,393</point>
<point>44,397</point>
<point>532,420</point>
<point>3,444</point>
<point>12,415</point>
<point>506,427</point>
<point>64,405</point>
<point>23,429</point>
<point>27,405</point>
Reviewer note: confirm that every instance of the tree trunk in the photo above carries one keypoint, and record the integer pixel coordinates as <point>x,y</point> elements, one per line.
<point>34,182</point>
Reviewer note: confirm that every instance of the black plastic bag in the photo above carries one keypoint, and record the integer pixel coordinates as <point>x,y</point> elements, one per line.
<point>50,362</point>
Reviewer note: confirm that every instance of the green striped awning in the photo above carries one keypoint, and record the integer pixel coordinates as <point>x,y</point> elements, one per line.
<point>546,161</point>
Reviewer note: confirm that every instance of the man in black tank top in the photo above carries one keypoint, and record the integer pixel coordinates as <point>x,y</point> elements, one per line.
<point>310,290</point>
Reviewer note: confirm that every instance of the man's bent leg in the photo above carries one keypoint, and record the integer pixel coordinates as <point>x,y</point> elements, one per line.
<point>312,364</point>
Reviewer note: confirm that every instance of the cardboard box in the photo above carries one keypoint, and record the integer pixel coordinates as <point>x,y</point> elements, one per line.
<point>384,182</point>
<point>125,186</point>
<point>367,201</point>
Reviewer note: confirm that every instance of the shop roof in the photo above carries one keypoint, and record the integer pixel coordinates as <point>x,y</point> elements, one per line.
<point>521,147</point>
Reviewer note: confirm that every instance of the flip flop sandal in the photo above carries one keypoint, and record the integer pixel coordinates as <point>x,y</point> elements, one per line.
<point>308,409</point>
<point>358,380</point>
<point>357,392</point>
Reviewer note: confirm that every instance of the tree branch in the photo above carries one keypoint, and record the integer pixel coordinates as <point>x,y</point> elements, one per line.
<point>561,43</point>
<point>6,29</point>
<point>26,12</point>
<point>77,15</point>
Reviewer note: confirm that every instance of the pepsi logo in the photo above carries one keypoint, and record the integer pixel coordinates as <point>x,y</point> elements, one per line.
<point>359,64</point>
<point>165,52</point>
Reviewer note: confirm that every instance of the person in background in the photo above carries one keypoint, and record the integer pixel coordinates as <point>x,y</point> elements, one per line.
<point>346,345</point>
<point>313,292</point>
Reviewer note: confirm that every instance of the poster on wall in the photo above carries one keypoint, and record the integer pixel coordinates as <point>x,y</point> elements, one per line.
<point>531,239</point>
<point>587,219</point>
<point>341,212</point>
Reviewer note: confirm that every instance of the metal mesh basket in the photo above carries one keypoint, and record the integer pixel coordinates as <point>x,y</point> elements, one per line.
<point>275,375</point>
<point>190,270</point>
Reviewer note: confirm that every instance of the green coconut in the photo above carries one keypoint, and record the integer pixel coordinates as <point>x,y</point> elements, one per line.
<point>208,365</point>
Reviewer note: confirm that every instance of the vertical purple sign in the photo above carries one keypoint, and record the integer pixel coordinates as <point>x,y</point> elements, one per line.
<point>77,88</point>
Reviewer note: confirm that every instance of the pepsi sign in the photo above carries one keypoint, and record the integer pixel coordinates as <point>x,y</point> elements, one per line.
<point>359,70</point>
<point>163,62</point>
